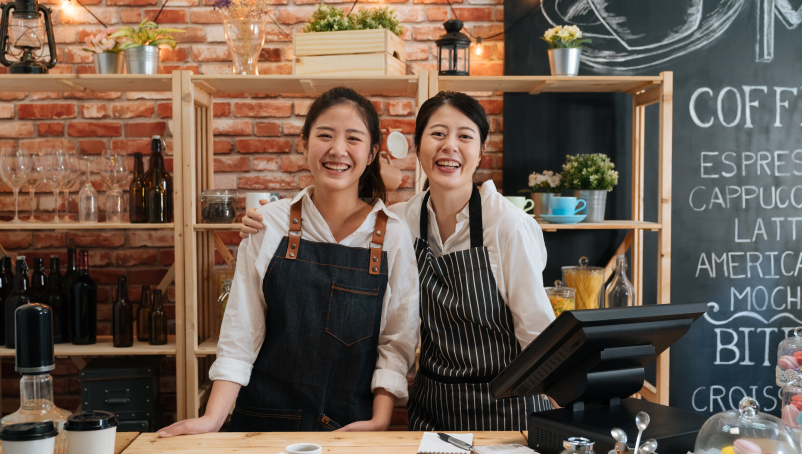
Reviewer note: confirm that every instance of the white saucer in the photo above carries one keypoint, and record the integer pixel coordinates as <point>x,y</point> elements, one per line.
<point>563,219</point>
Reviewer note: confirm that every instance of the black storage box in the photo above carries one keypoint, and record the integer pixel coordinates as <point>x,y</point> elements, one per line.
<point>126,386</point>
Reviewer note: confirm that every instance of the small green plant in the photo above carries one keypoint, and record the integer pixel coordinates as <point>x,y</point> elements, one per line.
<point>589,172</point>
<point>147,34</point>
<point>330,19</point>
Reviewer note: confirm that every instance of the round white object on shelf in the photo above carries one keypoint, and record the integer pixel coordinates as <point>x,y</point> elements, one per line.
<point>397,145</point>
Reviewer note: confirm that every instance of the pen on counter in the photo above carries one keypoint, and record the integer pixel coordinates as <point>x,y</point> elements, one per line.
<point>456,442</point>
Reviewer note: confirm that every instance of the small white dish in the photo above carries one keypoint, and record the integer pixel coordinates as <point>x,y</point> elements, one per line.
<point>563,219</point>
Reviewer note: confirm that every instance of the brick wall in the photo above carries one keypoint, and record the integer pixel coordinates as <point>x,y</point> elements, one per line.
<point>256,144</point>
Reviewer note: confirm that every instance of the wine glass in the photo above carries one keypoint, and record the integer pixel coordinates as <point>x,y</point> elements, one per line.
<point>76,168</point>
<point>57,170</point>
<point>35,179</point>
<point>113,169</point>
<point>87,196</point>
<point>14,168</point>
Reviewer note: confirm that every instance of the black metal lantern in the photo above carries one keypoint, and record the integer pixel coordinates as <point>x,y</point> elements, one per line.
<point>453,50</point>
<point>22,35</point>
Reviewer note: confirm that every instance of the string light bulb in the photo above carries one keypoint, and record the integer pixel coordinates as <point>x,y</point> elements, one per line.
<point>479,46</point>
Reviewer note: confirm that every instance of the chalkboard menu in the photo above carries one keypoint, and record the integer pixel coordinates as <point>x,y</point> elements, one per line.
<point>737,167</point>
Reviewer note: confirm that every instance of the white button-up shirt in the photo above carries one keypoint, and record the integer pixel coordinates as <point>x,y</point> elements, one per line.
<point>243,330</point>
<point>517,254</point>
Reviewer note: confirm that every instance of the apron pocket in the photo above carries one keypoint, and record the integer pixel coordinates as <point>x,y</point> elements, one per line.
<point>325,424</point>
<point>253,419</point>
<point>351,313</point>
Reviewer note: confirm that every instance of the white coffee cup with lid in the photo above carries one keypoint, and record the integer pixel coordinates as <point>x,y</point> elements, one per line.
<point>252,198</point>
<point>91,432</point>
<point>29,438</point>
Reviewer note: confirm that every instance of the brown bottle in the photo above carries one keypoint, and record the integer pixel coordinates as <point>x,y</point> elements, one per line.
<point>159,199</point>
<point>143,316</point>
<point>122,329</point>
<point>158,320</point>
<point>83,304</point>
<point>136,192</point>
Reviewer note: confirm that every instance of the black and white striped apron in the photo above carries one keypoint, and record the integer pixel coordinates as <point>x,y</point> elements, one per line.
<point>467,338</point>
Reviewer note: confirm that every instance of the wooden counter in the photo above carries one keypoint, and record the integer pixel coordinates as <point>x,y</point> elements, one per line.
<point>273,443</point>
<point>123,440</point>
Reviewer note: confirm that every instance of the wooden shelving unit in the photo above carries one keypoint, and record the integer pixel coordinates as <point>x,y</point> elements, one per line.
<point>88,85</point>
<point>645,91</point>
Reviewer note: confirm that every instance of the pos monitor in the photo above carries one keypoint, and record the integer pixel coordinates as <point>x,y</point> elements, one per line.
<point>589,362</point>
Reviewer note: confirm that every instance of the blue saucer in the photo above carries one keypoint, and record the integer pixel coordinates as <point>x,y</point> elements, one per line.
<point>563,219</point>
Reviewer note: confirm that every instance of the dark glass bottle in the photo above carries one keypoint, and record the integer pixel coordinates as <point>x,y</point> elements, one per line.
<point>137,192</point>
<point>38,280</point>
<point>5,291</point>
<point>158,320</point>
<point>72,269</point>
<point>20,294</point>
<point>143,316</point>
<point>56,298</point>
<point>159,200</point>
<point>83,301</point>
<point>122,328</point>
<point>8,268</point>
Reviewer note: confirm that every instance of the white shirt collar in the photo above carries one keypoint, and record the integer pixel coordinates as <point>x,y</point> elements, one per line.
<point>487,189</point>
<point>379,205</point>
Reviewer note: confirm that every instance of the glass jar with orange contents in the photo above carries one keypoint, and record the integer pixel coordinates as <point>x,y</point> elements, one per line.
<point>561,298</point>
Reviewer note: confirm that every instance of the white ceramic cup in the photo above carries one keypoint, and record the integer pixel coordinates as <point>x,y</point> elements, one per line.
<point>304,448</point>
<point>91,441</point>
<point>252,198</point>
<point>521,202</point>
<point>47,446</point>
<point>397,145</point>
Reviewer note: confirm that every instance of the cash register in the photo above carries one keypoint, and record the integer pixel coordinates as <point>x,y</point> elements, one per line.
<point>590,362</point>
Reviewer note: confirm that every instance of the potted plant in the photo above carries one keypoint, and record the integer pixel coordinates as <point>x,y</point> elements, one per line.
<point>108,54</point>
<point>142,46</point>
<point>591,177</point>
<point>369,38</point>
<point>244,28</point>
<point>543,186</point>
<point>565,48</point>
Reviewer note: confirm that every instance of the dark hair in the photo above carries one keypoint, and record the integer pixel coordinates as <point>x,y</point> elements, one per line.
<point>460,101</point>
<point>371,185</point>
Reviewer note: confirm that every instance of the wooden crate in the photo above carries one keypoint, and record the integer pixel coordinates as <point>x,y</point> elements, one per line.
<point>349,53</point>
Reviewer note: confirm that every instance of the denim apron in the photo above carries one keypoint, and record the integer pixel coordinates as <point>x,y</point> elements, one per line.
<point>324,306</point>
<point>467,338</point>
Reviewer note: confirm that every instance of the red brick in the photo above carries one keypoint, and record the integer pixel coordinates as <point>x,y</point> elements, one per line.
<point>267,182</point>
<point>232,164</point>
<point>304,181</point>
<point>270,54</point>
<point>152,277</point>
<point>221,109</point>
<point>206,16</point>
<point>295,15</point>
<point>85,69</point>
<point>489,30</point>
<point>474,14</point>
<point>151,239</point>
<point>167,257</point>
<point>134,257</point>
<point>49,239</point>
<point>500,14</point>
<point>263,146</point>
<point>231,127</point>
<point>7,111</point>
<point>76,55</point>
<point>39,144</point>
<point>495,145</point>
<point>488,162</point>
<point>94,129</point>
<point>211,53</point>
<point>97,239</point>
<point>230,238</point>
<point>93,111</point>
<point>405,126</point>
<point>265,164</point>
<point>168,16</point>
<point>492,106</point>
<point>99,259</point>
<point>15,240</point>
<point>263,109</point>
<point>132,109</point>
<point>78,15</point>
<point>179,54</point>
<point>302,107</point>
<point>269,128</point>
<point>437,13</point>
<point>192,35</point>
<point>146,129</point>
<point>409,13</point>
<point>130,2</point>
<point>493,68</point>
<point>15,129</point>
<point>294,163</point>
<point>34,111</point>
<point>130,16</point>
<point>92,146</point>
<point>223,146</point>
<point>165,109</point>
<point>275,69</point>
<point>50,129</point>
<point>130,146</point>
<point>400,108</point>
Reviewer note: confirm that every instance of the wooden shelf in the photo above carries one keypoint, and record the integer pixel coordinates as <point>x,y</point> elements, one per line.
<point>87,83</point>
<point>79,226</point>
<point>606,225</point>
<point>104,347</point>
<point>548,84</point>
<point>307,85</point>
<point>207,348</point>
<point>235,226</point>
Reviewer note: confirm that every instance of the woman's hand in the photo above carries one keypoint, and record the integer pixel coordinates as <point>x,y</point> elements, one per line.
<point>383,404</point>
<point>252,221</point>
<point>221,400</point>
<point>193,426</point>
<point>366,426</point>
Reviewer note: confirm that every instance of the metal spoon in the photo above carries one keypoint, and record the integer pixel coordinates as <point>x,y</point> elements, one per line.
<point>642,421</point>
<point>621,437</point>
<point>649,446</point>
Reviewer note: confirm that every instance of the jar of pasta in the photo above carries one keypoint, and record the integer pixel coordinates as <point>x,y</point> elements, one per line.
<point>588,282</point>
<point>561,298</point>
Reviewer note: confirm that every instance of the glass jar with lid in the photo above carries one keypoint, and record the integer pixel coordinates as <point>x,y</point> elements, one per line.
<point>746,431</point>
<point>789,358</point>
<point>588,281</point>
<point>578,445</point>
<point>218,206</point>
<point>792,405</point>
<point>561,298</point>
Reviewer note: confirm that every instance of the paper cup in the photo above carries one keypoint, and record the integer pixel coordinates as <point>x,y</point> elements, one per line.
<point>252,198</point>
<point>29,438</point>
<point>91,432</point>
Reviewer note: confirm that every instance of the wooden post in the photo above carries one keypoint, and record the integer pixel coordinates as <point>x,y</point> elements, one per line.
<point>638,158</point>
<point>664,218</point>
